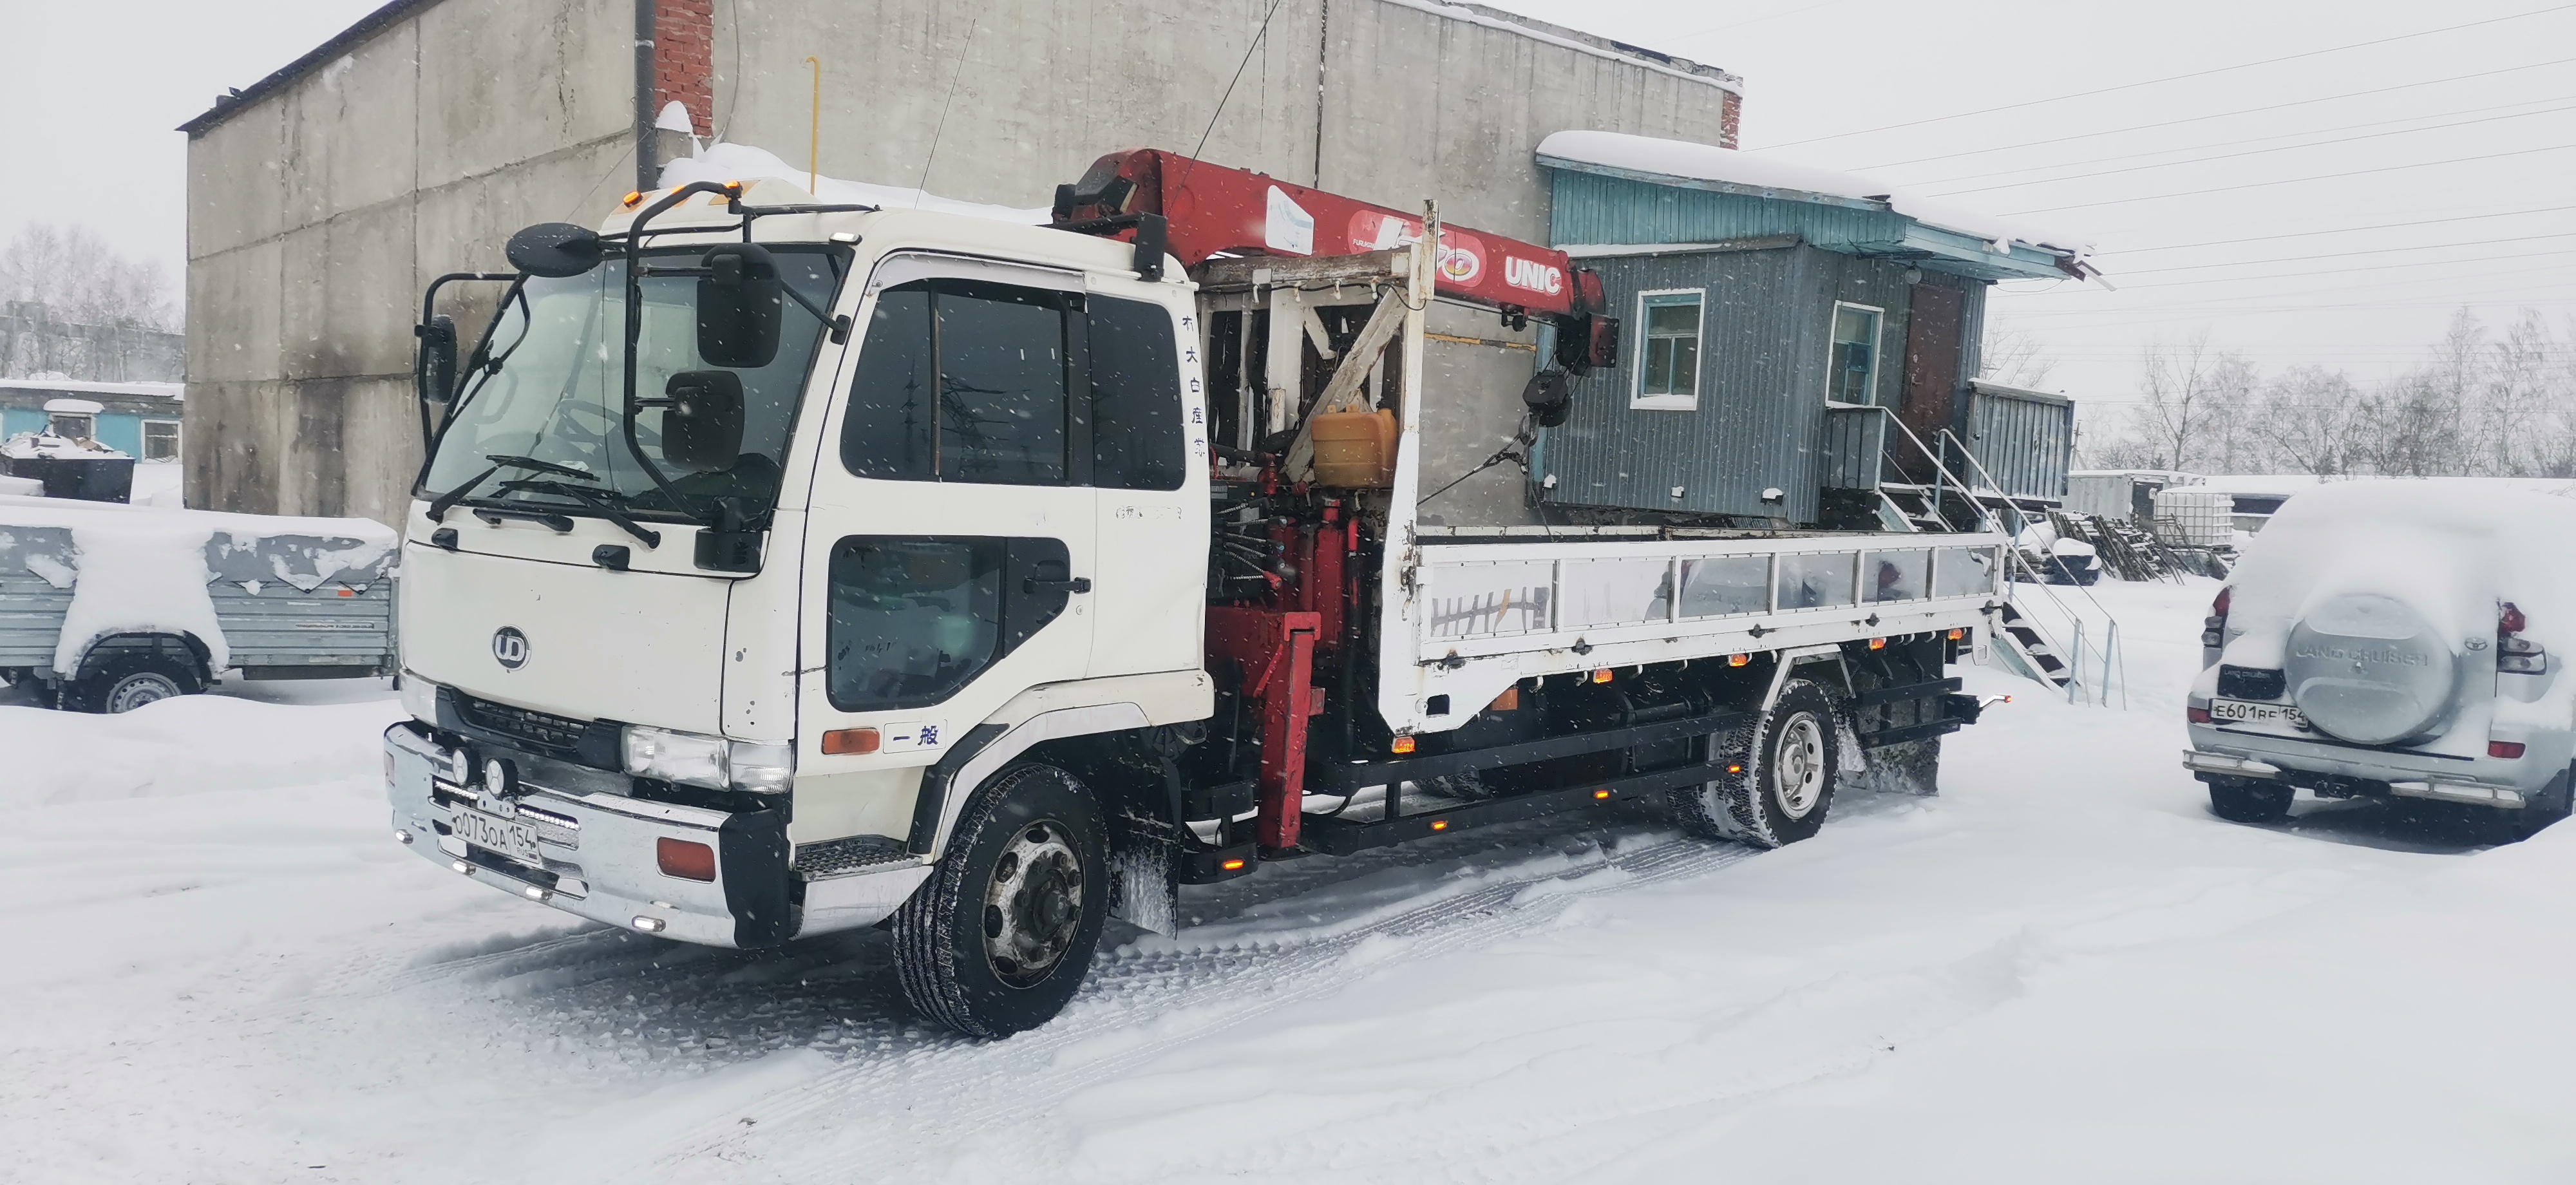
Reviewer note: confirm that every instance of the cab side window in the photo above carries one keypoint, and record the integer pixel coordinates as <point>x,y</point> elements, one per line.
<point>963,380</point>
<point>1135,396</point>
<point>914,618</point>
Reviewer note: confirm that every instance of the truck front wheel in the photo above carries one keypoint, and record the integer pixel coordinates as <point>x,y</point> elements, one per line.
<point>998,939</point>
<point>1779,777</point>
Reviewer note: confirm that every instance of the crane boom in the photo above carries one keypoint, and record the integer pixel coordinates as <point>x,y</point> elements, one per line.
<point>1210,209</point>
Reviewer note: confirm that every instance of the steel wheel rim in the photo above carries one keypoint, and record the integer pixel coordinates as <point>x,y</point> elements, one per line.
<point>1033,904</point>
<point>134,691</point>
<point>1798,766</point>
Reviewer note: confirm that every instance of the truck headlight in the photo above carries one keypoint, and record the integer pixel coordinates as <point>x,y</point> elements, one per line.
<point>713,762</point>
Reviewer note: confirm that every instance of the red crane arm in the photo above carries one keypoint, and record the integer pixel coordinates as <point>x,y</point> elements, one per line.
<point>1210,209</point>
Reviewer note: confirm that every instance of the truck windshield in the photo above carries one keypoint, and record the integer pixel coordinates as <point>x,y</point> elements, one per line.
<point>557,397</point>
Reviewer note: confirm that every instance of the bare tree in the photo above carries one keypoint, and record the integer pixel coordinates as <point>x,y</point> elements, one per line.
<point>2307,417</point>
<point>2192,406</point>
<point>82,280</point>
<point>2013,357</point>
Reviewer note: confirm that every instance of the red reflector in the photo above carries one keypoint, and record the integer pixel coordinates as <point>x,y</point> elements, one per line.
<point>2509,619</point>
<point>1231,865</point>
<point>2504,748</point>
<point>850,741</point>
<point>2196,715</point>
<point>685,860</point>
<point>347,593</point>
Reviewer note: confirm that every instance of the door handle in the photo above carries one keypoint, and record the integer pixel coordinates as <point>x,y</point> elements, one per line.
<point>1079,584</point>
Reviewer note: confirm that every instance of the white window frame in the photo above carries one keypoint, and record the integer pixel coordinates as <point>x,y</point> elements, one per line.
<point>1877,349</point>
<point>1638,400</point>
<point>178,438</point>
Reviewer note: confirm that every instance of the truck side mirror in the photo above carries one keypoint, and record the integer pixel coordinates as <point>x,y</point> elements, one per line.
<point>702,420</point>
<point>555,250</point>
<point>436,371</point>
<point>740,304</point>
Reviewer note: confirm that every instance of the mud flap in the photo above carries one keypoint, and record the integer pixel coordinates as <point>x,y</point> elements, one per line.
<point>1143,892</point>
<point>1906,767</point>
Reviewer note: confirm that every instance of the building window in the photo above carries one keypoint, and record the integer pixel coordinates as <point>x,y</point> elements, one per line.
<point>1852,375</point>
<point>70,425</point>
<point>160,440</point>
<point>1668,354</point>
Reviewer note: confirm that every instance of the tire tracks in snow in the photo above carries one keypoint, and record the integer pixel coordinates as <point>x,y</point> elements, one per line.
<point>1153,996</point>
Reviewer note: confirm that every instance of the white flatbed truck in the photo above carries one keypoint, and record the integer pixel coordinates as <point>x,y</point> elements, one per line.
<point>782,568</point>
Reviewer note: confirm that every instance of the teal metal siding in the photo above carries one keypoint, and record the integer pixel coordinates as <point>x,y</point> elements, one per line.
<point>1765,334</point>
<point>1591,207</point>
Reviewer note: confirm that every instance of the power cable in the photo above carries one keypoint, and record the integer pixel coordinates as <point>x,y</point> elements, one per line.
<point>2345,230</point>
<point>2157,197</point>
<point>2193,267</point>
<point>2225,155</point>
<point>2168,123</point>
<point>2128,86</point>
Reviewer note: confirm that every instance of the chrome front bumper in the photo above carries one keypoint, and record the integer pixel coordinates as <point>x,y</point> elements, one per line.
<point>601,858</point>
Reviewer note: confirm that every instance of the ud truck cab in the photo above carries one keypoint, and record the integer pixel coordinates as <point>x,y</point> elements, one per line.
<point>781,568</point>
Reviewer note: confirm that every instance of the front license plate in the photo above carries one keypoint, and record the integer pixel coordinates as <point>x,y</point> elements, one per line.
<point>508,837</point>
<point>2243,711</point>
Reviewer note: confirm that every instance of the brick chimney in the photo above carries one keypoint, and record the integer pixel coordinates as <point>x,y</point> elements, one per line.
<point>684,47</point>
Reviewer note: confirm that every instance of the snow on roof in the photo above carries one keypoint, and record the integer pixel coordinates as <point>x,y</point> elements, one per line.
<point>1707,162</point>
<point>40,446</point>
<point>1579,42</point>
<point>737,162</point>
<point>77,407</point>
<point>156,390</point>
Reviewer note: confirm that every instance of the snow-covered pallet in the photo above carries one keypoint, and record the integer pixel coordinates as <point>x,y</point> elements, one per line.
<point>271,596</point>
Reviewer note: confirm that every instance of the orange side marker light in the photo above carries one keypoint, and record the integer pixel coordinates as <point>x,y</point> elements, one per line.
<point>1401,744</point>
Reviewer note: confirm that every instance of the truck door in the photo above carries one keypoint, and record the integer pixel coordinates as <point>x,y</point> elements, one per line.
<point>949,550</point>
<point>1149,462</point>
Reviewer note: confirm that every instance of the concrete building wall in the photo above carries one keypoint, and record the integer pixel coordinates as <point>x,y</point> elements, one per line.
<point>322,204</point>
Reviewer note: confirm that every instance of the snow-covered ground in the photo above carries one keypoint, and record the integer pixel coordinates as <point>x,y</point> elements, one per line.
<point>2060,969</point>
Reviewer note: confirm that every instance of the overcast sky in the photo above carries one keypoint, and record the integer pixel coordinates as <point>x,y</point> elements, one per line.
<point>2335,141</point>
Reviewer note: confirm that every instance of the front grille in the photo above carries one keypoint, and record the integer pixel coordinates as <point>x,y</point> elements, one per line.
<point>539,729</point>
<point>2250,682</point>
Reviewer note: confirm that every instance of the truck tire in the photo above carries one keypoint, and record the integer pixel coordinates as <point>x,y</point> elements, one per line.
<point>125,681</point>
<point>998,939</point>
<point>1783,777</point>
<point>2241,800</point>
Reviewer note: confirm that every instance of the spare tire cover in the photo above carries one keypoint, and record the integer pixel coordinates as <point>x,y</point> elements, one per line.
<point>2369,668</point>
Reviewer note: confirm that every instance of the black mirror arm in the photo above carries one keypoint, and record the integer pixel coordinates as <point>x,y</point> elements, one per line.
<point>635,323</point>
<point>428,310</point>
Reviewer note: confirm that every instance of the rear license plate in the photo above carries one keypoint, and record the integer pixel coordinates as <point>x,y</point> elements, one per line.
<point>509,838</point>
<point>2242,711</point>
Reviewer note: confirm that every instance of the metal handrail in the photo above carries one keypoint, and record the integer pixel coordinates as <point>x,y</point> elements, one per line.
<point>2012,549</point>
<point>2111,641</point>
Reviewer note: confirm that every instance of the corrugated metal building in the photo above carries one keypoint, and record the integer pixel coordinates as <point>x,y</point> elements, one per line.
<point>1773,330</point>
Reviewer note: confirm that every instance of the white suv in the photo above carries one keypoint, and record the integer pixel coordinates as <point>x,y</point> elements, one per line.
<point>2392,638</point>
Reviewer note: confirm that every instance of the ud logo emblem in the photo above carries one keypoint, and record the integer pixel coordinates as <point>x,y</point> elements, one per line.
<point>509,648</point>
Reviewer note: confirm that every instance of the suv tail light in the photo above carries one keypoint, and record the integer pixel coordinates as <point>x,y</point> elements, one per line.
<point>2213,632</point>
<point>2515,654</point>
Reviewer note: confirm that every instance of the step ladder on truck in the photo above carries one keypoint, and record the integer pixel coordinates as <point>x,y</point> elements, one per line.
<point>782,568</point>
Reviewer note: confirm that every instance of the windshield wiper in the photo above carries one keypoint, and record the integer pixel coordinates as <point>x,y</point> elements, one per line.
<point>599,500</point>
<point>439,506</point>
<point>543,466</point>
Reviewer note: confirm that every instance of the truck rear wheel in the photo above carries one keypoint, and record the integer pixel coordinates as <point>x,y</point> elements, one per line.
<point>2239,800</point>
<point>1781,776</point>
<point>998,939</point>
